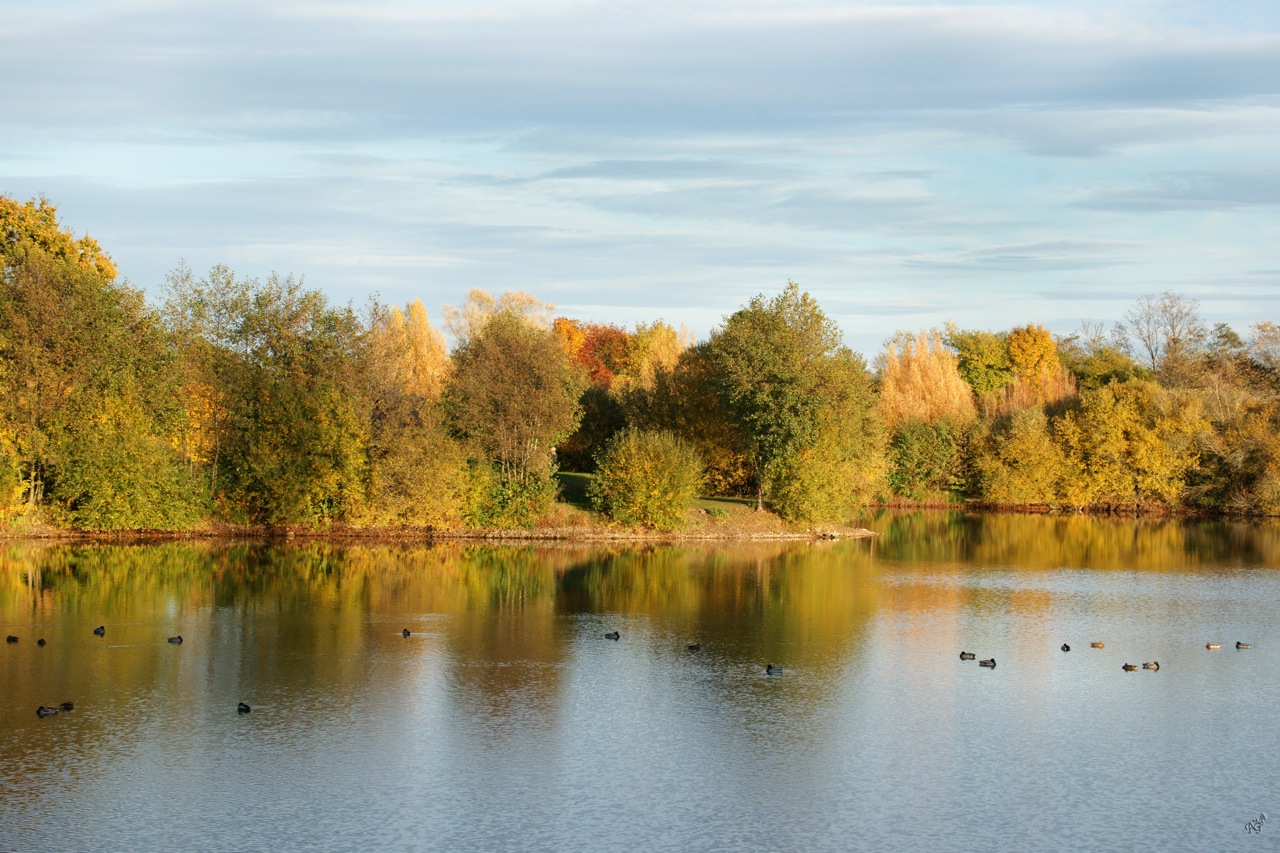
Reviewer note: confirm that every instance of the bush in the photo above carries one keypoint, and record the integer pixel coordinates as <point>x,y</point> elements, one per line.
<point>508,501</point>
<point>646,478</point>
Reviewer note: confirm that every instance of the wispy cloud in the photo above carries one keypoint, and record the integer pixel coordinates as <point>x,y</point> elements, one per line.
<point>909,161</point>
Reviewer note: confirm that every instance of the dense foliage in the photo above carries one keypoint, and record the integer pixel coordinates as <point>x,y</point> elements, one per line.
<point>647,478</point>
<point>258,402</point>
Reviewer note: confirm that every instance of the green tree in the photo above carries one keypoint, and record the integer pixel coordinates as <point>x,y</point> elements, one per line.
<point>927,460</point>
<point>647,478</point>
<point>845,466</point>
<point>298,435</point>
<point>775,363</point>
<point>983,358</point>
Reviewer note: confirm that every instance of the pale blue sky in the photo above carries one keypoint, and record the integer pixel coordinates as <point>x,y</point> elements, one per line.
<point>907,163</point>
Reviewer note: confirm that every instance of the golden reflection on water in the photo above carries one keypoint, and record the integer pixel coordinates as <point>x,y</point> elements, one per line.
<point>506,640</point>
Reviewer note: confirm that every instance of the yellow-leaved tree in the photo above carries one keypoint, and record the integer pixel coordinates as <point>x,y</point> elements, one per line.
<point>919,380</point>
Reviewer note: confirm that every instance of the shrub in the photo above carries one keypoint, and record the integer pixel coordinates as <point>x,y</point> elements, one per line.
<point>646,478</point>
<point>495,499</point>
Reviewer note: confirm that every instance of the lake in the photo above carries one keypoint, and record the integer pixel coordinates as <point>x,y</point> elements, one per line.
<point>507,721</point>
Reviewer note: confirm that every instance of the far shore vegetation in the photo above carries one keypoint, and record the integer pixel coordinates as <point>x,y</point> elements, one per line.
<point>236,403</point>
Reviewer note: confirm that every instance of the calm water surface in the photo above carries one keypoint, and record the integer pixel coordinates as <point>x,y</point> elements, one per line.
<point>507,721</point>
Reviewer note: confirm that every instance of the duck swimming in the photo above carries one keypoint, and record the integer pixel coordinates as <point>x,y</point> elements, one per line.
<point>773,670</point>
<point>1128,667</point>
<point>694,647</point>
<point>989,662</point>
<point>1212,646</point>
<point>177,641</point>
<point>45,711</point>
<point>613,635</point>
<point>404,633</point>
<point>1155,664</point>
<point>1240,645</point>
<point>967,656</point>
<point>1065,647</point>
<point>40,642</point>
<point>1098,645</point>
<point>11,639</point>
<point>243,708</point>
<point>100,631</point>
<point>67,706</point>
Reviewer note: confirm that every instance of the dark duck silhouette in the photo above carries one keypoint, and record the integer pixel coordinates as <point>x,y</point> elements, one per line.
<point>967,656</point>
<point>100,631</point>
<point>404,633</point>
<point>989,662</point>
<point>243,708</point>
<point>613,635</point>
<point>46,711</point>
<point>1065,647</point>
<point>177,641</point>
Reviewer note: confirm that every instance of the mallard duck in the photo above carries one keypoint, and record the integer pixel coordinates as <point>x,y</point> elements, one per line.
<point>243,708</point>
<point>613,635</point>
<point>990,662</point>
<point>1065,647</point>
<point>100,631</point>
<point>11,639</point>
<point>1212,646</point>
<point>694,647</point>
<point>40,642</point>
<point>177,641</point>
<point>1128,667</point>
<point>1240,645</point>
<point>67,706</point>
<point>1098,645</point>
<point>45,711</point>
<point>967,656</point>
<point>1155,664</point>
<point>404,633</point>
<point>773,670</point>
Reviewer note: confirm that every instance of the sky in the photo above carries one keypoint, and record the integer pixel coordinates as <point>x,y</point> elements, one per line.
<point>907,163</point>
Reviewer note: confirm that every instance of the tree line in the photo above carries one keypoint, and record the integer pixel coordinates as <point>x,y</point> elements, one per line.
<point>258,402</point>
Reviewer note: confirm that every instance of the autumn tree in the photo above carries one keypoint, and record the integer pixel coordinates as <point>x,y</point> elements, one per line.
<point>467,320</point>
<point>1168,330</point>
<point>647,478</point>
<point>1131,443</point>
<point>919,379</point>
<point>513,396</point>
<point>1019,461</point>
<point>686,400</point>
<point>1096,358</point>
<point>90,410</point>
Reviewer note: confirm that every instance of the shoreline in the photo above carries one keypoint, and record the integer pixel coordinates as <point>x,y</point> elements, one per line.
<point>559,535</point>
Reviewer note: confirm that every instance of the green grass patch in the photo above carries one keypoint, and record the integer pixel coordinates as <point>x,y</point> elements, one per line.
<point>573,489</point>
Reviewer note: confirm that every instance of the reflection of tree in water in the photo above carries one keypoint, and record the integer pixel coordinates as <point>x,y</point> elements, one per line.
<point>1011,540</point>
